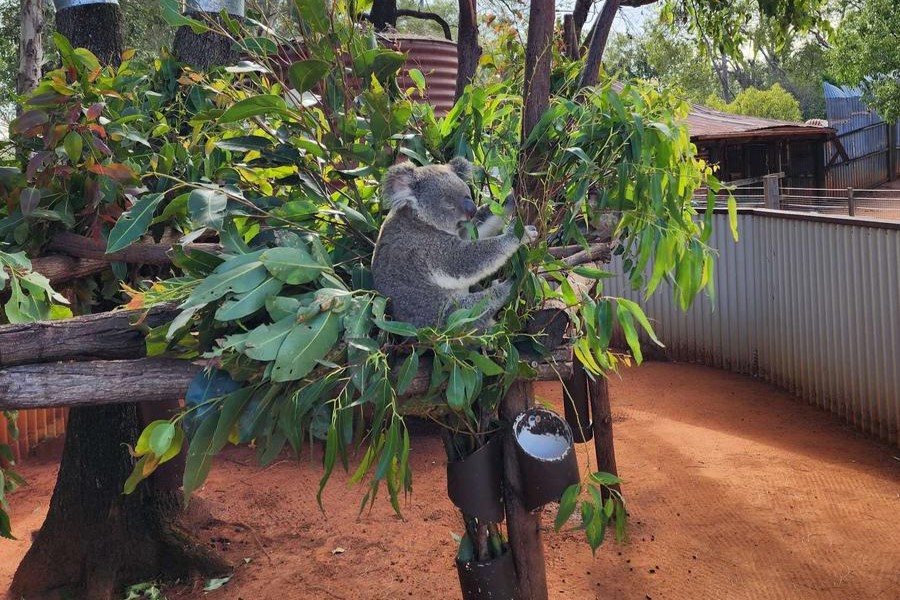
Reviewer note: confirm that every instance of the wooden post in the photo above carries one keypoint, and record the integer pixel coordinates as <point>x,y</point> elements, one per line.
<point>771,191</point>
<point>601,418</point>
<point>469,52</point>
<point>892,150</point>
<point>570,38</point>
<point>523,527</point>
<point>851,202</point>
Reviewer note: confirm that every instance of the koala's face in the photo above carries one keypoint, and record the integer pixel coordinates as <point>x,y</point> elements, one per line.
<point>439,193</point>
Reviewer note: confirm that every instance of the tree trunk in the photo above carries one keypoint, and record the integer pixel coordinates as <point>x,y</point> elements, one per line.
<point>579,15</point>
<point>207,49</point>
<point>467,45</point>
<point>97,27</point>
<point>523,527</point>
<point>31,49</point>
<point>95,539</point>
<point>383,14</point>
<point>536,98</point>
<point>598,43</point>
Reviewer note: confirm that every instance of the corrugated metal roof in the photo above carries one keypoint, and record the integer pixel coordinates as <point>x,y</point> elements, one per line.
<point>704,123</point>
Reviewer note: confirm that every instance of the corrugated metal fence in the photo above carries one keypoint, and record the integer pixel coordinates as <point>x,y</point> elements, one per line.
<point>810,303</point>
<point>866,138</point>
<point>34,427</point>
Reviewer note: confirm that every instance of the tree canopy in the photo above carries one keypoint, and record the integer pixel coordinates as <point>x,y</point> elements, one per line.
<point>867,53</point>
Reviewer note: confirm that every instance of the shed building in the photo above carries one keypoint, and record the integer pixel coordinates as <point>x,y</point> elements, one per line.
<point>745,146</point>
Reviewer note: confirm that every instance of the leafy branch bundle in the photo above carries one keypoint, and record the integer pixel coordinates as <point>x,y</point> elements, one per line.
<point>281,163</point>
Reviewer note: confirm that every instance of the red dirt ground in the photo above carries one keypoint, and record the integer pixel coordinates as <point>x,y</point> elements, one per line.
<point>735,490</point>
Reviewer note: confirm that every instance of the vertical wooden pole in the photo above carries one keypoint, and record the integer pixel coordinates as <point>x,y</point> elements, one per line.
<point>523,527</point>
<point>601,417</point>
<point>851,203</point>
<point>467,45</point>
<point>771,191</point>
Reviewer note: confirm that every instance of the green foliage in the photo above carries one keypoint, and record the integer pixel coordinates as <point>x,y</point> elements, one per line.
<point>285,314</point>
<point>657,53</point>
<point>9,479</point>
<point>597,510</point>
<point>866,53</point>
<point>773,103</point>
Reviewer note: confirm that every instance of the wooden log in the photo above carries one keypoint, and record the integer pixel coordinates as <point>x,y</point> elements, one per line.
<point>523,527</point>
<point>79,246</point>
<point>102,336</point>
<point>60,269</point>
<point>601,415</point>
<point>94,383</point>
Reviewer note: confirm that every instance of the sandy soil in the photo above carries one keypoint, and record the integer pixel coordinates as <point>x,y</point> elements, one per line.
<point>735,490</point>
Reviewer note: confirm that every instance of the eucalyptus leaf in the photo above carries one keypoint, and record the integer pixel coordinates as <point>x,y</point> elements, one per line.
<point>133,223</point>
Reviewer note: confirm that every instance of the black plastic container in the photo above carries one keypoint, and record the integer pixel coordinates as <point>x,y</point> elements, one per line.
<point>546,455</point>
<point>474,483</point>
<point>494,580</point>
<point>575,404</point>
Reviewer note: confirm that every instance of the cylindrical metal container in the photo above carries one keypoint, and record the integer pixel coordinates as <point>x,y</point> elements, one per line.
<point>546,455</point>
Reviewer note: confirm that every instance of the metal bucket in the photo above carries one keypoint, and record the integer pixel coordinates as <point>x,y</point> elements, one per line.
<point>546,453</point>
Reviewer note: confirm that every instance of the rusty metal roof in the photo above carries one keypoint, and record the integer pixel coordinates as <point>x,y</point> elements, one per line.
<point>704,123</point>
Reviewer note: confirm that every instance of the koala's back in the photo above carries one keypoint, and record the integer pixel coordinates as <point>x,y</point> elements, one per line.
<point>402,268</point>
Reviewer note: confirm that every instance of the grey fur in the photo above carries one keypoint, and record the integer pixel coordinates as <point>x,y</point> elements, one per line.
<point>421,263</point>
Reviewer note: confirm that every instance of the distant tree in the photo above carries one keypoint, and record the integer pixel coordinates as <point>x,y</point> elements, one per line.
<point>867,53</point>
<point>671,58</point>
<point>773,103</point>
<point>676,56</point>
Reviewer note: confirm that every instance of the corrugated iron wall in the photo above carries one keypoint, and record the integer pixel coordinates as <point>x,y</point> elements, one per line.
<point>34,427</point>
<point>863,134</point>
<point>810,303</point>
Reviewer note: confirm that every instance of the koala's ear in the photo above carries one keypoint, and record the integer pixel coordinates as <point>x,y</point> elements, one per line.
<point>397,186</point>
<point>462,167</point>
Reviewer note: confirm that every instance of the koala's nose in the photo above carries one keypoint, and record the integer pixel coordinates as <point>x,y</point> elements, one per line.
<point>469,208</point>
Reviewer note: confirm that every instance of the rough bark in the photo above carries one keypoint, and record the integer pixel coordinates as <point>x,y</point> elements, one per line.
<point>579,15</point>
<point>80,246</point>
<point>82,257</point>
<point>598,43</point>
<point>204,50</point>
<point>467,45</point>
<point>570,38</point>
<point>523,527</point>
<point>105,336</point>
<point>31,49</point>
<point>97,27</point>
<point>536,98</point>
<point>601,415</point>
<point>95,382</point>
<point>94,541</point>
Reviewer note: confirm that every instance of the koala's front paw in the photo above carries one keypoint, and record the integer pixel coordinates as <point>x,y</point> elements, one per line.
<point>502,287</point>
<point>530,234</point>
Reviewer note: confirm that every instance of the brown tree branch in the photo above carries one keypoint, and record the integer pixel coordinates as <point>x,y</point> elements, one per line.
<point>102,336</point>
<point>426,16</point>
<point>598,43</point>
<point>94,383</point>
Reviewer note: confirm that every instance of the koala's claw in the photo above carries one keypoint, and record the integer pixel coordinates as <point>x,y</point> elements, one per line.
<point>530,234</point>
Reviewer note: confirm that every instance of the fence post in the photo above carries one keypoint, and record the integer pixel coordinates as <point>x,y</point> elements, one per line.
<point>851,203</point>
<point>771,191</point>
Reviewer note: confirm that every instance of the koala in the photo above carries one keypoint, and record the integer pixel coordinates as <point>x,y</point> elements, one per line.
<point>423,263</point>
